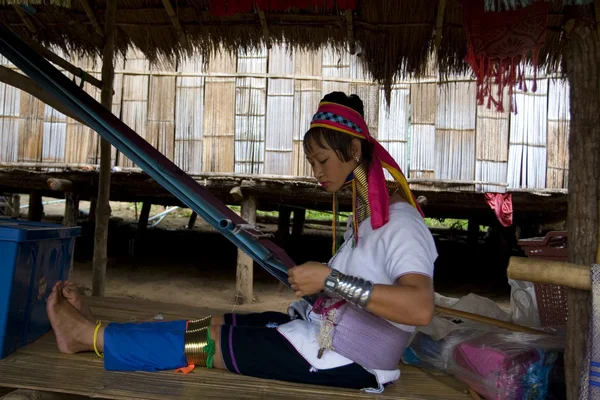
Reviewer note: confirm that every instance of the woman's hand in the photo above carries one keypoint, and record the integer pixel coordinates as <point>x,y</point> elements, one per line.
<point>308,278</point>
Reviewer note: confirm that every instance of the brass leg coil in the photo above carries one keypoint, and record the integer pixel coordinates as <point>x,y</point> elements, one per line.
<point>199,346</point>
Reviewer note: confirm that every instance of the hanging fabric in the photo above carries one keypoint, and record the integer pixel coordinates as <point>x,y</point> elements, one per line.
<point>498,45</point>
<point>501,203</point>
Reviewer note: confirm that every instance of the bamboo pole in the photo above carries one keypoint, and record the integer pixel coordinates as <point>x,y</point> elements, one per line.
<point>175,20</point>
<point>90,13</point>
<point>350,29</point>
<point>441,11</point>
<point>550,272</point>
<point>265,28</point>
<point>61,62</point>
<point>103,206</point>
<point>24,18</point>
<point>488,320</point>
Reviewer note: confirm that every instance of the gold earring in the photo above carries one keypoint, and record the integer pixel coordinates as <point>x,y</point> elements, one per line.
<point>357,158</point>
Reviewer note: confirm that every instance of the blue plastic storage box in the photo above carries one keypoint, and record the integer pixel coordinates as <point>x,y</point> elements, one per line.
<point>33,257</point>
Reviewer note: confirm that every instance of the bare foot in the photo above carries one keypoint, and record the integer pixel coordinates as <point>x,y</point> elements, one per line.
<point>74,333</point>
<point>71,293</point>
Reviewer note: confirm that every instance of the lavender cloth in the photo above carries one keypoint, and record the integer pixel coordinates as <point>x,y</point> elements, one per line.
<point>590,375</point>
<point>367,339</point>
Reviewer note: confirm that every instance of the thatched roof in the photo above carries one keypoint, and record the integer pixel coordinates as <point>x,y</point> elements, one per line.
<point>395,38</point>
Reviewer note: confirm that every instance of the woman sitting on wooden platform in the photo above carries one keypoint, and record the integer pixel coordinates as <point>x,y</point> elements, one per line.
<point>371,295</point>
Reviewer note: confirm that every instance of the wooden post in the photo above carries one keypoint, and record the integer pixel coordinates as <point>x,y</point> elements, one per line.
<point>92,213</point>
<point>16,205</point>
<point>103,206</point>
<point>144,215</point>
<point>582,58</point>
<point>283,226</point>
<point>71,209</point>
<point>71,200</point>
<point>298,224</point>
<point>473,232</point>
<point>245,264</point>
<point>192,221</point>
<point>36,208</point>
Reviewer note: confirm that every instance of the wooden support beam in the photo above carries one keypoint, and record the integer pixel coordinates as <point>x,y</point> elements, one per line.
<point>176,23</point>
<point>103,203</point>
<point>350,29</point>
<point>441,11</point>
<point>473,232</point>
<point>237,194</point>
<point>245,264</point>
<point>90,13</point>
<point>24,18</point>
<point>16,205</point>
<point>144,215</point>
<point>71,199</point>
<point>71,209</point>
<point>192,221</point>
<point>550,272</point>
<point>24,83</point>
<point>582,57</point>
<point>298,223</point>
<point>92,212</point>
<point>61,62</point>
<point>60,185</point>
<point>265,28</point>
<point>36,208</point>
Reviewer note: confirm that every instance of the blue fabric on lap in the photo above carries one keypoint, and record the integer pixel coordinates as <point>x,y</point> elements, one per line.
<point>146,346</point>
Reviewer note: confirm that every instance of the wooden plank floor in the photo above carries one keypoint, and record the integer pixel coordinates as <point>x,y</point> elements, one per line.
<point>40,366</point>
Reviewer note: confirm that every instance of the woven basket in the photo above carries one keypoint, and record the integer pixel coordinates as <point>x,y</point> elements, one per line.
<point>551,299</point>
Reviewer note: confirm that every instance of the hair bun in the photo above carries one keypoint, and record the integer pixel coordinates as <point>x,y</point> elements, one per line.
<point>352,101</point>
<point>357,104</point>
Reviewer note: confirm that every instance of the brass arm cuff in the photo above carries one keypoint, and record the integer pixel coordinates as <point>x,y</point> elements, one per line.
<point>199,347</point>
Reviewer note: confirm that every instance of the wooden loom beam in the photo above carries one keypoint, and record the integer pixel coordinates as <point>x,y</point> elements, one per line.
<point>550,272</point>
<point>25,84</point>
<point>61,62</point>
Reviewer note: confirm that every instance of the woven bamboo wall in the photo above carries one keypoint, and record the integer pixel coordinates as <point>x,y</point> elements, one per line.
<point>247,113</point>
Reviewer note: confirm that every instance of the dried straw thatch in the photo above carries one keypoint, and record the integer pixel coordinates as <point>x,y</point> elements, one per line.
<point>395,38</point>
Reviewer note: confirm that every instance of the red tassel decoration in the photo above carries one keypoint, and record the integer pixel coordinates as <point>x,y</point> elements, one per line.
<point>498,42</point>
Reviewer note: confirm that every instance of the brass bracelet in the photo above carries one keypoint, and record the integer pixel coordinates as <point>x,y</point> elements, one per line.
<point>353,289</point>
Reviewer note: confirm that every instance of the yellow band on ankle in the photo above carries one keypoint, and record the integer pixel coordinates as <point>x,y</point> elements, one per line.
<point>98,325</point>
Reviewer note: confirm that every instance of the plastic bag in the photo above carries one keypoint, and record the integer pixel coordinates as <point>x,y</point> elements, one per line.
<point>498,364</point>
<point>523,303</point>
<point>440,327</point>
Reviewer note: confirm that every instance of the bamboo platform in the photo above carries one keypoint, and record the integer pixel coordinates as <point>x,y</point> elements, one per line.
<point>39,366</point>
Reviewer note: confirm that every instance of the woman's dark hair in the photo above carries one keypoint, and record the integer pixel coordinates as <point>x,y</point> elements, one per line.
<point>338,141</point>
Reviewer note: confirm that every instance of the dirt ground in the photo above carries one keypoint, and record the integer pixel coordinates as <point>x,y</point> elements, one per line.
<point>170,263</point>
